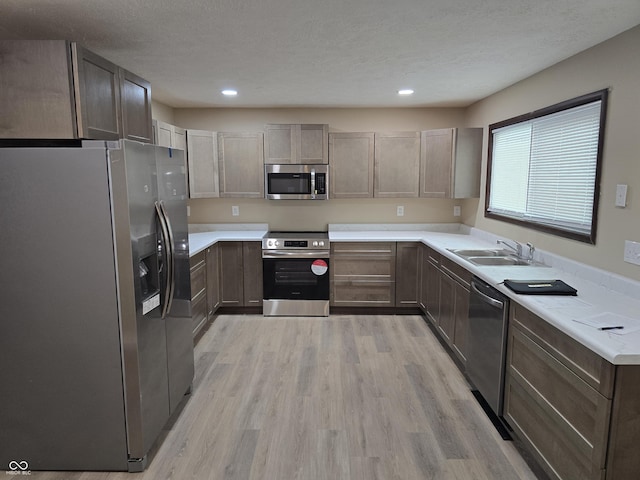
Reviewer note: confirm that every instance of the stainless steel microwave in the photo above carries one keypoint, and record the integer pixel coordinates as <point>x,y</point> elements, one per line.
<point>296,182</point>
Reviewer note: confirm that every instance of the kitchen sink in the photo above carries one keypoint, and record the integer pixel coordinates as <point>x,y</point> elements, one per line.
<point>494,257</point>
<point>498,261</point>
<point>481,253</point>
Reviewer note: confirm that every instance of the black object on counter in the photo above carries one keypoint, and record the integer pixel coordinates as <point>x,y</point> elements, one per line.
<point>540,287</point>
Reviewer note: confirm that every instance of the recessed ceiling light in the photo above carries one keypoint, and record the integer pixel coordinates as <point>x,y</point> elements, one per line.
<point>406,91</point>
<point>230,93</point>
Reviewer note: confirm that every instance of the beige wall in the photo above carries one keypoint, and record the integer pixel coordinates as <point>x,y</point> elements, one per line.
<point>162,112</point>
<point>287,215</point>
<point>614,64</point>
<point>315,215</point>
<point>338,119</point>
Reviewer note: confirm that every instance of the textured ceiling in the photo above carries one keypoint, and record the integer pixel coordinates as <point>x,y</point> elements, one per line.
<point>325,53</point>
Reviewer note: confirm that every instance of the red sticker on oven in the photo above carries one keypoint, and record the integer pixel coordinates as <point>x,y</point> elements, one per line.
<point>319,267</point>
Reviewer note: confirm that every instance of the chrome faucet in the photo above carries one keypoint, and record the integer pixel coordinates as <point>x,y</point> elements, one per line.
<point>517,247</point>
<point>531,250</point>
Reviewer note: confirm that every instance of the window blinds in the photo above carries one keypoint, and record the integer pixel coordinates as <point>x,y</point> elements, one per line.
<point>543,170</point>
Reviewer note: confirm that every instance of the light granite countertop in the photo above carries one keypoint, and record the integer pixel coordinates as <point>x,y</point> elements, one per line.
<point>596,295</point>
<point>202,236</point>
<point>599,292</point>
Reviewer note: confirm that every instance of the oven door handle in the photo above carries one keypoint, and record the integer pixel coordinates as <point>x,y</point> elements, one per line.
<point>295,254</point>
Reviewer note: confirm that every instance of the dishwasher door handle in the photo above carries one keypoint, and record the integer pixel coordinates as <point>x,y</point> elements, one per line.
<point>486,298</point>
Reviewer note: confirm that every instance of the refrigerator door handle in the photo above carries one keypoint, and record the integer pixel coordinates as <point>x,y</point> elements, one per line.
<point>166,245</point>
<point>172,265</point>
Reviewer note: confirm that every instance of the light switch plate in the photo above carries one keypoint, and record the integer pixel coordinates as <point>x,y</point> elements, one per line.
<point>632,252</point>
<point>621,196</point>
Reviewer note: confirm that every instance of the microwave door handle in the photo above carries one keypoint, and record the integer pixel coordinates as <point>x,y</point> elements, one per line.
<point>313,183</point>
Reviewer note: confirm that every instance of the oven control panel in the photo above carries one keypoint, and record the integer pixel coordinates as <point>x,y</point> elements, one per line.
<point>296,244</point>
<point>296,241</point>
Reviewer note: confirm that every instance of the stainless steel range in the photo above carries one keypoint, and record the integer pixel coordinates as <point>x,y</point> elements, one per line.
<point>296,274</point>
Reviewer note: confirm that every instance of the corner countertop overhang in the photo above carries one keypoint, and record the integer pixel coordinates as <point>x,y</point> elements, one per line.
<point>203,236</point>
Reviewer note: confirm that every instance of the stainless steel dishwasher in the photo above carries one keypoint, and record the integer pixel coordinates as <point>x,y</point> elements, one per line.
<point>486,342</point>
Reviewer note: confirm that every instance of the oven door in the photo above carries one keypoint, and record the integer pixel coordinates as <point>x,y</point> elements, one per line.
<point>295,283</point>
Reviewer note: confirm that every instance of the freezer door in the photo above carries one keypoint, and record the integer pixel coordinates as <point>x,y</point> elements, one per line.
<point>172,195</point>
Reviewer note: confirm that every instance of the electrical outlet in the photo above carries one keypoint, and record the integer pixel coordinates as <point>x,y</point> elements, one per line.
<point>400,211</point>
<point>235,210</point>
<point>621,196</point>
<point>632,252</point>
<point>188,211</point>
<point>456,211</point>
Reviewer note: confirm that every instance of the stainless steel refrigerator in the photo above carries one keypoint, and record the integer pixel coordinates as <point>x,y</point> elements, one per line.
<point>96,348</point>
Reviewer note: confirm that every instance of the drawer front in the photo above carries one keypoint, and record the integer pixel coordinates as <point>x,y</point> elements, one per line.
<point>364,248</point>
<point>350,267</point>
<point>197,259</point>
<point>577,411</point>
<point>198,312</point>
<point>198,280</point>
<point>545,438</point>
<point>588,365</point>
<point>362,294</point>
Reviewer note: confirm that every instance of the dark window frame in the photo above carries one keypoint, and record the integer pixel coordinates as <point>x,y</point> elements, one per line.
<point>601,95</point>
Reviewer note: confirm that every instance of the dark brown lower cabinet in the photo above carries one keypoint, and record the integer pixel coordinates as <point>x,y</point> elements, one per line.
<point>446,318</point>
<point>363,274</point>
<point>241,274</point>
<point>205,286</point>
<point>454,305</point>
<point>252,273</point>
<point>444,298</point>
<point>577,414</point>
<point>199,310</point>
<point>430,284</point>
<point>407,274</point>
<point>231,274</point>
<point>213,278</point>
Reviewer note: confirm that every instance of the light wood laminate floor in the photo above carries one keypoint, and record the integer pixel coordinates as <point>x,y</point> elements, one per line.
<point>345,397</point>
